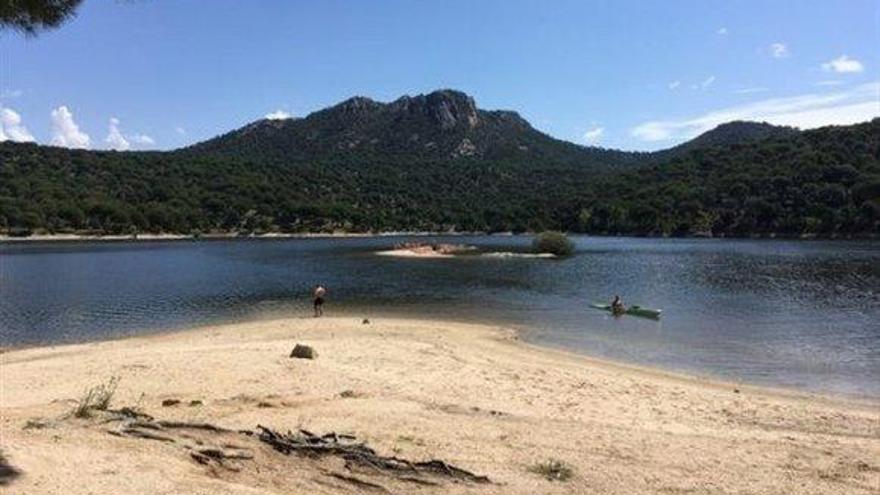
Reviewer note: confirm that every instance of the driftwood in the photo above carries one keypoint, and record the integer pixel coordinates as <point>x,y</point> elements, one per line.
<point>218,449</point>
<point>359,455</point>
<point>192,426</point>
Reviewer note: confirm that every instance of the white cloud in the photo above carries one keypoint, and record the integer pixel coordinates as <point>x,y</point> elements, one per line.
<point>705,84</point>
<point>748,91</point>
<point>778,50</point>
<point>65,132</point>
<point>722,31</point>
<point>831,82</point>
<point>142,139</point>
<point>118,141</point>
<point>11,128</point>
<point>180,131</point>
<point>806,111</point>
<point>674,84</point>
<point>843,65</point>
<point>115,140</point>
<point>278,115</point>
<point>594,135</point>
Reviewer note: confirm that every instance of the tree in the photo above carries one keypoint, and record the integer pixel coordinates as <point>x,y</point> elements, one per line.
<point>583,220</point>
<point>553,242</point>
<point>32,16</point>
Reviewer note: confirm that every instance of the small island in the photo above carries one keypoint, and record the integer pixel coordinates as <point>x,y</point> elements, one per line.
<point>420,249</point>
<point>545,245</point>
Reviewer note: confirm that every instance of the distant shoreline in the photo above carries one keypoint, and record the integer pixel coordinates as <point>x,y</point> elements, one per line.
<point>226,236</point>
<point>61,238</point>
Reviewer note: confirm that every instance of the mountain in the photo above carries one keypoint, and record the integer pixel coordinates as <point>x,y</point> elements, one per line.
<point>823,182</point>
<point>442,125</point>
<point>736,132</point>
<point>438,162</point>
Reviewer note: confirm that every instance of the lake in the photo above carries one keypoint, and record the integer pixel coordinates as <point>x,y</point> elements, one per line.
<point>799,314</point>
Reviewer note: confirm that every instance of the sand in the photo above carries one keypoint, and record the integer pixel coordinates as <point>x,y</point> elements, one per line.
<point>471,395</point>
<point>413,253</point>
<point>429,253</point>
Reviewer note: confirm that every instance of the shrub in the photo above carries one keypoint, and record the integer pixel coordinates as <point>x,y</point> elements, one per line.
<point>553,470</point>
<point>96,398</point>
<point>553,242</point>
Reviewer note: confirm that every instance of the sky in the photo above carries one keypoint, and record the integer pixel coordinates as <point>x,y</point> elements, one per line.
<point>635,75</point>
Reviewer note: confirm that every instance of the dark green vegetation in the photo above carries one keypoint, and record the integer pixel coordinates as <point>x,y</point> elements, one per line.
<point>552,242</point>
<point>819,182</point>
<point>435,162</point>
<point>31,16</point>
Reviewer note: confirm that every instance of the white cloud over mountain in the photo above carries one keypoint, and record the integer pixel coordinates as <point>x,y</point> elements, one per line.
<point>278,115</point>
<point>142,139</point>
<point>806,111</point>
<point>65,131</point>
<point>12,128</point>
<point>594,135</point>
<point>115,140</point>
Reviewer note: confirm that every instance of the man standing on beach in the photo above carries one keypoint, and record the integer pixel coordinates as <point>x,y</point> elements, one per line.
<point>318,295</point>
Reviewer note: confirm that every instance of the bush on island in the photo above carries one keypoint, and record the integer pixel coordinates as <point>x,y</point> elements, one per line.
<point>552,242</point>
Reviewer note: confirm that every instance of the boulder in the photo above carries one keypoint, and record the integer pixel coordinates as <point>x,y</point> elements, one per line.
<point>303,352</point>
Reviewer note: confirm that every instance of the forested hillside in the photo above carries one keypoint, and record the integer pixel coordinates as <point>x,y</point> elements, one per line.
<point>436,162</point>
<point>824,181</point>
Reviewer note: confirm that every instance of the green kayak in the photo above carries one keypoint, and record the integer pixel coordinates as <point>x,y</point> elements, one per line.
<point>632,310</point>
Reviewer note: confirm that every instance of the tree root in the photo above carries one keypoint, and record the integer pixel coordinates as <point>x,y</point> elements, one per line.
<point>360,455</point>
<point>216,447</point>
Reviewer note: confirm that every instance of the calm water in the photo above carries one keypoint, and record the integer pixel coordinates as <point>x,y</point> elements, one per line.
<point>796,314</point>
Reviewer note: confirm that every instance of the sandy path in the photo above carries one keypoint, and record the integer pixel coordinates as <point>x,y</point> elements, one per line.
<point>471,395</point>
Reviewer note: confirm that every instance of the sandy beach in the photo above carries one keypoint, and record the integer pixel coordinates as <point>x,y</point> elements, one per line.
<point>473,396</point>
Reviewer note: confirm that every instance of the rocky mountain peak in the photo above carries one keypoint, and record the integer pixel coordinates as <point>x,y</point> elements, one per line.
<point>358,104</point>
<point>451,108</point>
<point>447,108</point>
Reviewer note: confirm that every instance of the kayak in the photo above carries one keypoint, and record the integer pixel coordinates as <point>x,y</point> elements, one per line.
<point>632,310</point>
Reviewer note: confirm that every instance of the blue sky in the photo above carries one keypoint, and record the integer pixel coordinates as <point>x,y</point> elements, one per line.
<point>159,74</point>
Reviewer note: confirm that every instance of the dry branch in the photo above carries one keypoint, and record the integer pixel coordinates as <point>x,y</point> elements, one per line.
<point>360,455</point>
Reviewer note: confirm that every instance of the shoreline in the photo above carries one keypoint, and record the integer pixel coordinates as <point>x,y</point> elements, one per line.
<point>61,238</point>
<point>71,238</point>
<point>472,394</point>
<point>507,332</point>
<point>517,334</point>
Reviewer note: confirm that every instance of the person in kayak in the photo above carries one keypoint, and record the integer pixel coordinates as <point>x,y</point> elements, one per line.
<point>617,306</point>
<point>318,295</point>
